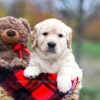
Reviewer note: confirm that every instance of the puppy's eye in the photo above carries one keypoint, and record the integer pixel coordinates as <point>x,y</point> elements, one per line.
<point>45,33</point>
<point>60,35</point>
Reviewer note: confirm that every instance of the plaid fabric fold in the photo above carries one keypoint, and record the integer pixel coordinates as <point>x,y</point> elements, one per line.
<point>44,87</point>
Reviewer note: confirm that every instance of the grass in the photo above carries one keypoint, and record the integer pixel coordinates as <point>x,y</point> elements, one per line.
<point>90,49</point>
<point>29,45</point>
<point>90,93</point>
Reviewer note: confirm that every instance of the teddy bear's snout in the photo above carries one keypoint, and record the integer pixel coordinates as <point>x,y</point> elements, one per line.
<point>10,36</point>
<point>11,33</point>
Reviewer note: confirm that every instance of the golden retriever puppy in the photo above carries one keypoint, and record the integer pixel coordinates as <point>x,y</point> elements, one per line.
<point>52,53</point>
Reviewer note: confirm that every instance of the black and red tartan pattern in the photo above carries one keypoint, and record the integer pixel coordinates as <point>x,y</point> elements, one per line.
<point>44,87</point>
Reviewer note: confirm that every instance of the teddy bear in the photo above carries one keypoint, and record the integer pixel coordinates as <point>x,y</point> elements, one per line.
<point>13,45</point>
<point>13,42</point>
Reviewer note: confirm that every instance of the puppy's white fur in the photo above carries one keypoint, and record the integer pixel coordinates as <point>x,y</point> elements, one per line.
<point>61,61</point>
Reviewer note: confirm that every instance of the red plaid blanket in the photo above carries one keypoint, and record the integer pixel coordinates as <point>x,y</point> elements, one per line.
<point>44,87</point>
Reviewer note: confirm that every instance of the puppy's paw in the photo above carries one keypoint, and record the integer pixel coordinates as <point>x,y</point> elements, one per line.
<point>64,84</point>
<point>31,72</point>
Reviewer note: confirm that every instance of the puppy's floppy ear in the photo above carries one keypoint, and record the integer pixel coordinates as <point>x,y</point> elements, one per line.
<point>69,38</point>
<point>33,39</point>
<point>33,35</point>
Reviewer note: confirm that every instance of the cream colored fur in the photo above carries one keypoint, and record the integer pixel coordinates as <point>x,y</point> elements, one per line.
<point>61,61</point>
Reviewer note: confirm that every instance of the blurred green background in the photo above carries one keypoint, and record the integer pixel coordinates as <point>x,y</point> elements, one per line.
<point>84,18</point>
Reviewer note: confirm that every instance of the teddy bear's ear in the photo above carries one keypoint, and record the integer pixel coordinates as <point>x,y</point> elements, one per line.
<point>25,23</point>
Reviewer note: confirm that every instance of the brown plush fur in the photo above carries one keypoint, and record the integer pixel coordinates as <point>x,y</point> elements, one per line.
<point>8,57</point>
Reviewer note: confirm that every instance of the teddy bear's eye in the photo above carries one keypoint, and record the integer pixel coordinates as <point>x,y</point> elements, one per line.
<point>45,33</point>
<point>60,35</point>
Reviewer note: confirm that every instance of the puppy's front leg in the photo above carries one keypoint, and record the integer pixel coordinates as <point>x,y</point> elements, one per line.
<point>64,80</point>
<point>32,71</point>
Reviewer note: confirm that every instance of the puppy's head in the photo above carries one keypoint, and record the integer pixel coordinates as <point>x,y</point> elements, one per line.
<point>52,37</point>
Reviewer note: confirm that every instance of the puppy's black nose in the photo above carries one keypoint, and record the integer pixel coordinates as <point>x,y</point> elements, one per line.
<point>51,45</point>
<point>11,33</point>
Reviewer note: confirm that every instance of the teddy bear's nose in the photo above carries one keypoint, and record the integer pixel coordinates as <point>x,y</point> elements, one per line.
<point>11,33</point>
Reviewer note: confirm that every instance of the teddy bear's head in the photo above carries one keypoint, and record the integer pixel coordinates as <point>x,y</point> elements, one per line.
<point>13,40</point>
<point>13,30</point>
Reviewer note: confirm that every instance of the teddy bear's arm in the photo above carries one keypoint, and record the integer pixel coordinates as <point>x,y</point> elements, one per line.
<point>18,62</point>
<point>3,63</point>
<point>74,95</point>
<point>4,95</point>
